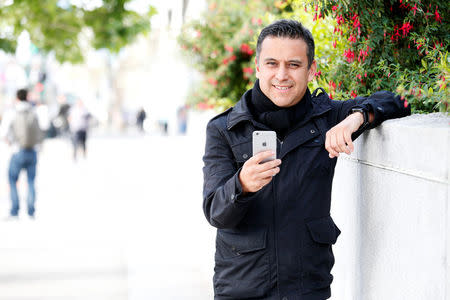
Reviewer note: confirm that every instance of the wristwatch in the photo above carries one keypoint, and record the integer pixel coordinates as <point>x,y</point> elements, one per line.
<point>365,115</point>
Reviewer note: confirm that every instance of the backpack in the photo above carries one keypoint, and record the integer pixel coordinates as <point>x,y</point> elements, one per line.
<point>26,129</point>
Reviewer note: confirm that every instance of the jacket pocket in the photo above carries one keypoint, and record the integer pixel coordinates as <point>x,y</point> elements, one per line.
<point>317,257</point>
<point>242,152</point>
<point>242,263</point>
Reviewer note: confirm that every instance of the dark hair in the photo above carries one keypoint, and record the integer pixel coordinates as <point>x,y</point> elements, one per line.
<point>287,29</point>
<point>22,94</point>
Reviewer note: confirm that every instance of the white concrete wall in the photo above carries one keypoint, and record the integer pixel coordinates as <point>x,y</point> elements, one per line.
<point>391,201</point>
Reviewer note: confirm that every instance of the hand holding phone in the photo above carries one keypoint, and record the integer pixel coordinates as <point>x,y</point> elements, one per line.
<point>259,170</point>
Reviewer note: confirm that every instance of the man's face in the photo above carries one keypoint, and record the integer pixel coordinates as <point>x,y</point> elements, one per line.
<point>282,70</point>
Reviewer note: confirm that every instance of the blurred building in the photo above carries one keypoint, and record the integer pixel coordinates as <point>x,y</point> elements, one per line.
<point>149,73</point>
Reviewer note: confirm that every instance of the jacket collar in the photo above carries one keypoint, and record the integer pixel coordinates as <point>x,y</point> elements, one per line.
<point>240,112</point>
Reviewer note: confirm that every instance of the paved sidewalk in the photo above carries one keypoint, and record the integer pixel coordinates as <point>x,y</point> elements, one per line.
<point>125,224</point>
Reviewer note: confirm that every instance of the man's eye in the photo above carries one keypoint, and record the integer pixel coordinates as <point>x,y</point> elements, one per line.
<point>271,63</point>
<point>294,65</point>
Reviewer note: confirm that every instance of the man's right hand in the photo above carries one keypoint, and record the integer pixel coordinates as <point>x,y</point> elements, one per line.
<point>255,175</point>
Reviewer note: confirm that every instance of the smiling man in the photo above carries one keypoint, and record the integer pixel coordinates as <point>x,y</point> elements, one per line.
<point>275,231</point>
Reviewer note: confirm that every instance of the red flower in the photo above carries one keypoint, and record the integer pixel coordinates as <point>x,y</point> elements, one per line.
<point>356,23</point>
<point>318,73</point>
<point>406,28</point>
<point>212,81</point>
<point>203,105</point>
<point>437,16</point>
<point>414,9</point>
<point>350,55</point>
<point>334,7</point>
<point>232,57</point>
<point>246,49</point>
<point>353,94</point>
<point>225,61</point>
<point>248,70</point>
<point>332,85</point>
<point>405,104</point>
<point>352,39</point>
<point>229,48</point>
<point>334,44</point>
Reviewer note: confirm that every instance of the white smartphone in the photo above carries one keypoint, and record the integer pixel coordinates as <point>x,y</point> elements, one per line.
<point>264,141</point>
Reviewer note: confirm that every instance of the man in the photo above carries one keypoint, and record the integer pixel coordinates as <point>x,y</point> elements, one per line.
<point>79,118</point>
<point>20,128</point>
<point>275,231</point>
<point>140,118</point>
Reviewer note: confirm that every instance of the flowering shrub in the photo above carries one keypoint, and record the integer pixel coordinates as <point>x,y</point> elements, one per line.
<point>222,47</point>
<point>397,45</point>
<point>361,47</point>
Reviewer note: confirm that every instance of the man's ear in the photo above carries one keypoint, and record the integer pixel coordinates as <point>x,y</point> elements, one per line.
<point>256,68</point>
<point>312,71</point>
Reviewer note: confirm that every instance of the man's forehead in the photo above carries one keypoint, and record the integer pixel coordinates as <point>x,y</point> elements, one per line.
<point>275,44</point>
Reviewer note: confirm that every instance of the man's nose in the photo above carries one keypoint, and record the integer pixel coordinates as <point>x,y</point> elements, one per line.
<point>282,73</point>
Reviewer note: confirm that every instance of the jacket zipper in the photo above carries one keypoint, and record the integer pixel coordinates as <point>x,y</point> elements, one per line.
<point>275,208</point>
<point>275,240</point>
<point>281,146</point>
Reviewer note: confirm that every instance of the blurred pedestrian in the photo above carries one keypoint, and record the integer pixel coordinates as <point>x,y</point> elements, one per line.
<point>59,125</point>
<point>140,118</point>
<point>79,118</point>
<point>182,119</point>
<point>20,128</point>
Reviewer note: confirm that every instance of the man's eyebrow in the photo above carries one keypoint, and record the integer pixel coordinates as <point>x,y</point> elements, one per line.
<point>297,61</point>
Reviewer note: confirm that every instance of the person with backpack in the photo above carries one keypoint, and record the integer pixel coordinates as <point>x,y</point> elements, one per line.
<point>21,130</point>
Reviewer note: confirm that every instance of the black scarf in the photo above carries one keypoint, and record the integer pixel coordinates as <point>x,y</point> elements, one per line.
<point>279,119</point>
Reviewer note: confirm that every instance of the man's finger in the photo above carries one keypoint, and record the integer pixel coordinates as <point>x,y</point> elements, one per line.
<point>348,141</point>
<point>269,165</point>
<point>328,145</point>
<point>269,173</point>
<point>266,181</point>
<point>259,157</point>
<point>341,146</point>
<point>333,145</point>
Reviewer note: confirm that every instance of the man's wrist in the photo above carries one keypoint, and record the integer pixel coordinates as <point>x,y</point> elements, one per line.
<point>359,117</point>
<point>363,115</point>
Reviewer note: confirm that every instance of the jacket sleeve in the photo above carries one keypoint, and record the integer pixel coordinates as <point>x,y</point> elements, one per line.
<point>223,203</point>
<point>384,106</point>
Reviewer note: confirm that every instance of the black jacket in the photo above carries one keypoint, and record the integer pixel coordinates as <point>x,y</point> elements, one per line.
<point>276,243</point>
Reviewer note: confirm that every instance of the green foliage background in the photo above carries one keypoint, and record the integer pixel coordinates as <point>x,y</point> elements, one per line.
<point>414,63</point>
<point>54,28</point>
<point>396,45</point>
